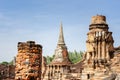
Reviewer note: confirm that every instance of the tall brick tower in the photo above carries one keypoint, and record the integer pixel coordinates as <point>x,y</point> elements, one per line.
<point>28,61</point>
<point>99,46</point>
<point>100,41</point>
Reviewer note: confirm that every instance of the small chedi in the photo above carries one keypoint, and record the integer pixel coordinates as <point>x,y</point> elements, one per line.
<point>60,64</point>
<point>28,61</point>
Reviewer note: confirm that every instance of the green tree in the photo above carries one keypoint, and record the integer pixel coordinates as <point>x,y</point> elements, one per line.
<point>49,59</point>
<point>11,62</point>
<point>7,63</point>
<point>75,56</point>
<point>4,63</point>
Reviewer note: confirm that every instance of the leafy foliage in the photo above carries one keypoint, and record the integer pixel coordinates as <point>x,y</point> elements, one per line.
<point>11,62</point>
<point>4,63</point>
<point>49,59</point>
<point>7,63</point>
<point>75,56</point>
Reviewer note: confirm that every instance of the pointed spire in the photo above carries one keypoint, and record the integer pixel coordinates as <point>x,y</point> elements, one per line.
<point>61,36</point>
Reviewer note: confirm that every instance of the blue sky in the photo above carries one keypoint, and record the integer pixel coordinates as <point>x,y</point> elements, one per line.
<point>39,20</point>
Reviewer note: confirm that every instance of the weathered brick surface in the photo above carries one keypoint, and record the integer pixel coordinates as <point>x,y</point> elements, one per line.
<point>28,61</point>
<point>7,72</point>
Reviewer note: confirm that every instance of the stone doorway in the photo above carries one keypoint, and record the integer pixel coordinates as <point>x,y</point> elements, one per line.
<point>32,78</point>
<point>88,76</point>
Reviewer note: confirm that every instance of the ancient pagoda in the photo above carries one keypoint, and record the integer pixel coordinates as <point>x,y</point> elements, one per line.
<point>28,61</point>
<point>60,65</point>
<point>99,49</point>
<point>61,53</point>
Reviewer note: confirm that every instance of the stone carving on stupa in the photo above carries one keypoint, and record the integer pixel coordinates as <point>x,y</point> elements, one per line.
<point>58,54</point>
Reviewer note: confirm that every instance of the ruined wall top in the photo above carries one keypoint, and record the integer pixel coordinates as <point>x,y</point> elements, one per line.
<point>98,19</point>
<point>28,45</point>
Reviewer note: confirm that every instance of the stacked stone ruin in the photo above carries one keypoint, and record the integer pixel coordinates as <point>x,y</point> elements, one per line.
<point>28,61</point>
<point>99,49</point>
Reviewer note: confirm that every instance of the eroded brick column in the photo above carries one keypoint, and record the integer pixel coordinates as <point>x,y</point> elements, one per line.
<point>28,61</point>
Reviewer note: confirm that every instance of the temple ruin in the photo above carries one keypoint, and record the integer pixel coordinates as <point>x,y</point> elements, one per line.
<point>99,51</point>
<point>28,61</point>
<point>101,60</point>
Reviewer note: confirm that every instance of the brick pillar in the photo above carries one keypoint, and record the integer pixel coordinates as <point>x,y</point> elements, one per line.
<point>28,61</point>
